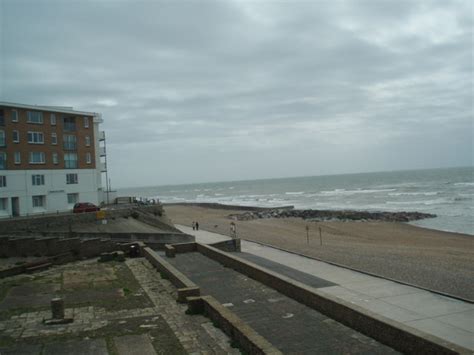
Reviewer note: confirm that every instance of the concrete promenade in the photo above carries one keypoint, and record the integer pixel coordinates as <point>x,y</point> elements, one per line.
<point>441,316</point>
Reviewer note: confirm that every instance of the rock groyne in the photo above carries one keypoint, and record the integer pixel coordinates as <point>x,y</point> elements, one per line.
<point>328,215</point>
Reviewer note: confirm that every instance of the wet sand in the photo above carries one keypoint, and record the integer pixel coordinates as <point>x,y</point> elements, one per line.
<point>437,260</point>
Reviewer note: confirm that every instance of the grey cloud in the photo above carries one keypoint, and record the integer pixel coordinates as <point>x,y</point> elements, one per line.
<point>196,85</point>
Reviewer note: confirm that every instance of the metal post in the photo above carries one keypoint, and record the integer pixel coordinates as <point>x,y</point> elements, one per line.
<point>320,237</point>
<point>307,234</point>
<point>106,170</point>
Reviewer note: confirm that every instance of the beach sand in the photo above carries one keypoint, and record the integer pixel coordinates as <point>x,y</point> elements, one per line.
<point>437,260</point>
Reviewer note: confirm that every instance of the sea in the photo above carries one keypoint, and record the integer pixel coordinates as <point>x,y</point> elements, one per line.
<point>448,193</point>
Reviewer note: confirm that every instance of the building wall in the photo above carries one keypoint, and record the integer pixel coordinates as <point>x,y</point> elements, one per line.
<point>23,127</point>
<point>55,189</point>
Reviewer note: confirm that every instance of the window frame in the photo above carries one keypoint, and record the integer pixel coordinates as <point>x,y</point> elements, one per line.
<point>3,181</point>
<point>76,195</point>
<point>3,203</point>
<point>88,158</point>
<point>52,119</point>
<point>72,179</point>
<point>29,117</point>
<point>3,159</point>
<point>14,115</point>
<point>54,138</point>
<point>37,180</point>
<point>41,198</point>
<point>55,158</point>
<point>15,156</point>
<point>42,154</point>
<point>33,135</point>
<point>67,163</point>
<point>17,133</point>
<point>3,138</point>
<point>86,122</point>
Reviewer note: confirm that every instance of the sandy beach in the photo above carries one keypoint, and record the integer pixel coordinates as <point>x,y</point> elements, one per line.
<point>437,260</point>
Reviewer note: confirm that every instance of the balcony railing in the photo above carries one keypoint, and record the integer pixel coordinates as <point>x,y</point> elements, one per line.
<point>70,146</point>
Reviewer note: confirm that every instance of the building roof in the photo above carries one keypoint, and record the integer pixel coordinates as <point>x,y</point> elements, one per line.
<point>60,109</point>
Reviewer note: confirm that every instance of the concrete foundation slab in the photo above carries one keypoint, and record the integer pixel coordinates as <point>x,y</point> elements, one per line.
<point>77,347</point>
<point>134,345</point>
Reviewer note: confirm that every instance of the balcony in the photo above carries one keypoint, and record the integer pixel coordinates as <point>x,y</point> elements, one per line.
<point>70,146</point>
<point>101,136</point>
<point>103,167</point>
<point>102,151</point>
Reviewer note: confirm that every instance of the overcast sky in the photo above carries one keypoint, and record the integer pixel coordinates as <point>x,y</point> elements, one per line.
<point>195,91</point>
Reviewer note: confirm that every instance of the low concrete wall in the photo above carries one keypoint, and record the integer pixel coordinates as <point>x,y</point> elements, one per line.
<point>37,223</point>
<point>232,245</point>
<point>186,288</point>
<point>57,243</point>
<point>394,334</point>
<point>240,332</point>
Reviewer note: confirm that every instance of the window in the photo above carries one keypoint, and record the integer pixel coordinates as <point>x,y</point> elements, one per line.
<point>86,122</point>
<point>2,118</point>
<point>37,158</point>
<point>16,136</point>
<point>3,204</point>
<point>71,179</point>
<point>3,160</point>
<point>88,158</point>
<point>72,198</point>
<point>2,139</point>
<point>35,137</point>
<point>55,158</point>
<point>37,180</point>
<point>70,160</point>
<point>54,138</point>
<point>88,141</point>
<point>69,142</point>
<point>17,156</point>
<point>52,119</point>
<point>39,201</point>
<point>3,181</point>
<point>14,116</point>
<point>34,117</point>
<point>69,124</point>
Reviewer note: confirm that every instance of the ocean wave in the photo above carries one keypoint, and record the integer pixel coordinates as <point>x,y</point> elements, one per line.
<point>294,193</point>
<point>437,201</point>
<point>353,192</point>
<point>464,184</point>
<point>434,193</point>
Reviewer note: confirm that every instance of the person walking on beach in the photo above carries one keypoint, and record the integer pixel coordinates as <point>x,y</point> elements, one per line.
<point>197,226</point>
<point>233,230</point>
<point>194,225</point>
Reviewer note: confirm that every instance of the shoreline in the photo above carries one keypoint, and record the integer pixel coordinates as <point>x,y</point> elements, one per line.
<point>433,259</point>
<point>214,205</point>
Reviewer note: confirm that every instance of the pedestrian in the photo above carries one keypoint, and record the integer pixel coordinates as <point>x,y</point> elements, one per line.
<point>233,231</point>
<point>194,225</point>
<point>197,226</point>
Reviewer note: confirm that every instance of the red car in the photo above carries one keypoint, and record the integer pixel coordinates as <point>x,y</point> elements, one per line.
<point>85,207</point>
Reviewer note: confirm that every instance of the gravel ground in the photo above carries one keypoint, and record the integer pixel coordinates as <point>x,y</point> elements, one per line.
<point>433,259</point>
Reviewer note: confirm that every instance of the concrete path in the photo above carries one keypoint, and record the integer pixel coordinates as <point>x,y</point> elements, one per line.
<point>290,326</point>
<point>444,317</point>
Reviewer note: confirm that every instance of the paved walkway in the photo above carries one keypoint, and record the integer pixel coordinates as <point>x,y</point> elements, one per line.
<point>287,324</point>
<point>196,334</point>
<point>444,317</point>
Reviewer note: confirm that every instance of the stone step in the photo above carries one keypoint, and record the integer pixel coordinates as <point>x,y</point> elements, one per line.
<point>39,267</point>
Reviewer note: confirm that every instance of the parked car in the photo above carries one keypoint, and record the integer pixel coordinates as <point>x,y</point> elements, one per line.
<point>85,207</point>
